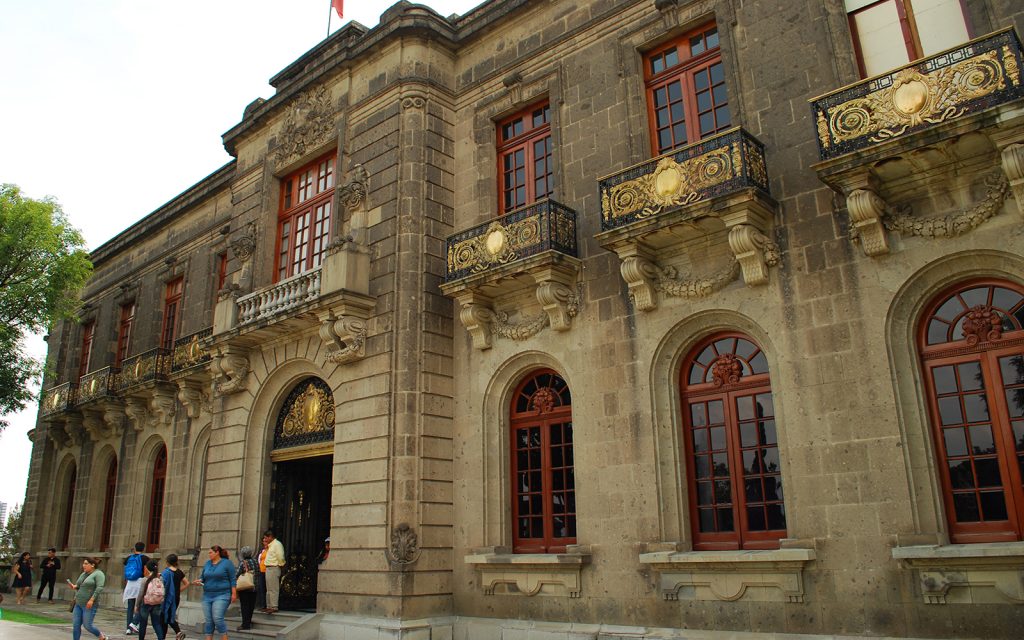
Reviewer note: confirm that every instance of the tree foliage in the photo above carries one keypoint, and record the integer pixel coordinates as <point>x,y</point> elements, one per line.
<point>10,536</point>
<point>43,264</point>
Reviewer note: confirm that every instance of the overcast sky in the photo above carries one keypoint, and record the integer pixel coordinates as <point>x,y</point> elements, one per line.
<point>114,107</point>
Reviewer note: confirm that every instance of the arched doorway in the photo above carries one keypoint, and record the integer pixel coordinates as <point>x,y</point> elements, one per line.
<point>300,494</point>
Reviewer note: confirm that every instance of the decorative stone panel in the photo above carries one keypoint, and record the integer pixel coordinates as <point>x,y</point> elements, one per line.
<point>531,574</point>
<point>715,190</point>
<point>983,573</point>
<point>524,263</point>
<point>771,575</point>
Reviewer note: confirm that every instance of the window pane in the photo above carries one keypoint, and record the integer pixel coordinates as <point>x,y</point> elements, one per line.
<point>949,411</point>
<point>722,117</point>
<point>755,518</point>
<point>675,91</point>
<point>970,376</point>
<point>956,442</point>
<point>976,407</point>
<point>944,379</point>
<point>881,38</point>
<point>981,440</point>
<point>965,505</point>
<point>960,474</point>
<point>711,38</point>
<point>700,80</point>
<point>987,470</point>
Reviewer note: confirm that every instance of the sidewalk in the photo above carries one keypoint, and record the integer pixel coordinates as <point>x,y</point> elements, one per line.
<point>109,621</point>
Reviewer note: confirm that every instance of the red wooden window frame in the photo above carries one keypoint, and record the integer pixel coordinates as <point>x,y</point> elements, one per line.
<point>69,507</point>
<point>108,505</point>
<point>730,441</point>
<point>524,157</point>
<point>908,26</point>
<point>172,312</point>
<point>88,334</point>
<point>124,332</point>
<point>543,470</point>
<point>222,271</point>
<point>687,98</point>
<point>156,500</point>
<point>971,340</point>
<point>304,219</point>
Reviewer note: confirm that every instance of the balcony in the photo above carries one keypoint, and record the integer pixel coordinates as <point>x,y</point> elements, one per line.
<point>517,274</point>
<point>708,203</point>
<point>97,385</point>
<point>190,353</point>
<point>147,367</point>
<point>933,131</point>
<point>332,299</point>
<point>58,400</point>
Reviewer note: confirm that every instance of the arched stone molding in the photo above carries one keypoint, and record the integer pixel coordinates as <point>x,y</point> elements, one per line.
<point>93,528</point>
<point>901,324</point>
<point>134,521</point>
<point>197,472</point>
<point>53,529</point>
<point>270,396</point>
<point>494,482</point>
<point>667,423</point>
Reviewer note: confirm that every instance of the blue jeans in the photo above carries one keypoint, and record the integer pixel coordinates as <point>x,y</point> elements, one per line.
<point>214,607</point>
<point>156,613</point>
<point>82,617</point>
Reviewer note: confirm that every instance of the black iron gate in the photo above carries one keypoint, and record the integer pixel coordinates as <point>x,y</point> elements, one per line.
<point>300,515</point>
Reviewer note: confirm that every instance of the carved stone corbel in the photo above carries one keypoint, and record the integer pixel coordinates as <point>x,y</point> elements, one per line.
<point>1013,167</point>
<point>352,194</point>
<point>113,417</point>
<point>557,295</point>
<point>347,336</point>
<point>641,274</point>
<point>75,433</point>
<point>866,210</point>
<point>58,435</point>
<point>754,251</point>
<point>92,421</point>
<point>231,370</point>
<point>161,406</point>
<point>137,411</point>
<point>192,396</point>
<point>477,316</point>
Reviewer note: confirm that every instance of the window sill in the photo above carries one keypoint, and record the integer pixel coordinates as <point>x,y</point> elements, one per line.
<point>983,573</point>
<point>530,574</point>
<point>771,575</point>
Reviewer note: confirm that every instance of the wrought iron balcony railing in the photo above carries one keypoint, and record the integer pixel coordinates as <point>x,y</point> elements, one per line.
<point>726,163</point>
<point>58,399</point>
<point>190,351</point>
<point>543,226</point>
<point>96,384</point>
<point>150,365</point>
<point>983,73</point>
<point>279,298</point>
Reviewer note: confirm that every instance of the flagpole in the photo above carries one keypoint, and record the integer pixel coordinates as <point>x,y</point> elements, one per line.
<point>330,10</point>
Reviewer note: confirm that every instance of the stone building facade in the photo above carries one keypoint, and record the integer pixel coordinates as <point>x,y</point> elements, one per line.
<point>536,310</point>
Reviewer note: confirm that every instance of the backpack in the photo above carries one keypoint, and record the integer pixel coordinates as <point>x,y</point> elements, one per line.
<point>133,568</point>
<point>154,591</point>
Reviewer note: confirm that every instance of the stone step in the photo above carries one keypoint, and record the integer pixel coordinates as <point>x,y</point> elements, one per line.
<point>264,625</point>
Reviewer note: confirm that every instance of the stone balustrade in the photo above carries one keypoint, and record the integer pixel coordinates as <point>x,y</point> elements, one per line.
<point>279,298</point>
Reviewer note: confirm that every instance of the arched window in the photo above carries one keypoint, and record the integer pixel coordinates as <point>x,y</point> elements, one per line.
<point>108,505</point>
<point>69,506</point>
<point>543,481</point>
<point>731,446</point>
<point>972,355</point>
<point>156,500</point>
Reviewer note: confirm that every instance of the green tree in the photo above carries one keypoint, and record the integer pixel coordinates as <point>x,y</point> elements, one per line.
<point>10,536</point>
<point>43,264</point>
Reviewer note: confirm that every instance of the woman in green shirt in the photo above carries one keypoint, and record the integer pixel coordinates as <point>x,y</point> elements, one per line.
<point>87,588</point>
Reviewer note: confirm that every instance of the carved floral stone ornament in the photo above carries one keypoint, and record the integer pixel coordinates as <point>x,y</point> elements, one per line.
<point>309,124</point>
<point>559,304</point>
<point>404,548</point>
<point>353,192</point>
<point>231,370</point>
<point>244,245</point>
<point>982,324</point>
<point>726,370</point>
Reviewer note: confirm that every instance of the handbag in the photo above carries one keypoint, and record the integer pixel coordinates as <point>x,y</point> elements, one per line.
<point>245,581</point>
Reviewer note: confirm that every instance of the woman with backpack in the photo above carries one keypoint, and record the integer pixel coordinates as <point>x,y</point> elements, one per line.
<point>174,581</point>
<point>150,603</point>
<point>218,582</point>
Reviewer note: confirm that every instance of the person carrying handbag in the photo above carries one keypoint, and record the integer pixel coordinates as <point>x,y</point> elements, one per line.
<point>245,579</point>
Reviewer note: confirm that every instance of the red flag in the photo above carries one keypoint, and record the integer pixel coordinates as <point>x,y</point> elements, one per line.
<point>337,7</point>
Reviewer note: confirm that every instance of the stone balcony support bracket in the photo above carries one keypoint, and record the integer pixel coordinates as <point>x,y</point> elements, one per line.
<point>230,367</point>
<point>557,295</point>
<point>137,410</point>
<point>1012,157</point>
<point>345,336</point>
<point>749,223</point>
<point>980,573</point>
<point>771,575</point>
<point>530,574</point>
<point>193,396</point>
<point>477,316</point>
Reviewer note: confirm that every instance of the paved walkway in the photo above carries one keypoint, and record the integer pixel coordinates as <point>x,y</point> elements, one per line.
<point>109,621</point>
